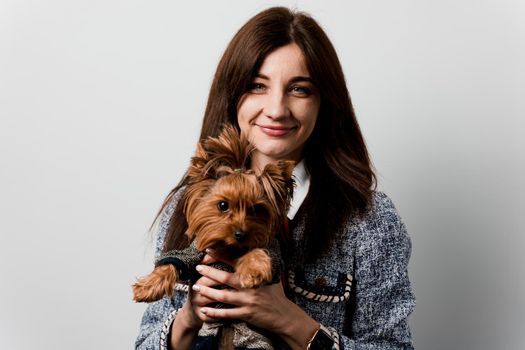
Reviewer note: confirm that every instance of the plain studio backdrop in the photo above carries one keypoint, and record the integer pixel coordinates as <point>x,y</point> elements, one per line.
<point>100,108</point>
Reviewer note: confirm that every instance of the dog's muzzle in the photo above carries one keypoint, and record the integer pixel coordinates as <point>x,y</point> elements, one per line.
<point>240,235</point>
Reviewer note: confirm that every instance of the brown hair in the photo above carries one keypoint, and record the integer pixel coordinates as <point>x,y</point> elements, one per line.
<point>342,178</point>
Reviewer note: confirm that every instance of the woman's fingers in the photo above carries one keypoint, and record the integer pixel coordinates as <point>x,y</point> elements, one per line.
<point>212,257</point>
<point>205,281</point>
<point>203,292</point>
<point>200,300</point>
<point>210,313</point>
<point>222,277</point>
<point>218,295</point>
<point>208,258</point>
<point>226,296</point>
<point>197,303</point>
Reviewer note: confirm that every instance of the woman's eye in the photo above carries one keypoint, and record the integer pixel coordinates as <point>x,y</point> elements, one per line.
<point>223,206</point>
<point>256,87</point>
<point>300,90</point>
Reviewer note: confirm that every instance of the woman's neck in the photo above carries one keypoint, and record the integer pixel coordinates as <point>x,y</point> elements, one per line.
<point>259,161</point>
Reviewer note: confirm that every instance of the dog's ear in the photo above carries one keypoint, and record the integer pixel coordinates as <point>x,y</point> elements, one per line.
<point>277,181</point>
<point>198,168</point>
<point>229,149</point>
<point>218,156</point>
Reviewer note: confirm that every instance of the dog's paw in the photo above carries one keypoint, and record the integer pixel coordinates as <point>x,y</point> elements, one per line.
<point>160,283</point>
<point>254,269</point>
<point>252,280</point>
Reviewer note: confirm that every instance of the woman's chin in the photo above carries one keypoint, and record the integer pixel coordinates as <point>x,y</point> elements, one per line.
<point>271,155</point>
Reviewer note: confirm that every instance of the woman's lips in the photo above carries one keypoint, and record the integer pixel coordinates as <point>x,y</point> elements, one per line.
<point>276,131</point>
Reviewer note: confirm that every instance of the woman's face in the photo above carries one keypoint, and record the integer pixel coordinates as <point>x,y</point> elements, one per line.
<point>279,110</point>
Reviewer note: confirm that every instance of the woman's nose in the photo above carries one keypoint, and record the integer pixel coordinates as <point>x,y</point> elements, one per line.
<point>276,105</point>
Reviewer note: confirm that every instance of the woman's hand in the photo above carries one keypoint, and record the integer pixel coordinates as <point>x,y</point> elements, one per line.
<point>265,307</point>
<point>196,301</point>
<point>189,320</point>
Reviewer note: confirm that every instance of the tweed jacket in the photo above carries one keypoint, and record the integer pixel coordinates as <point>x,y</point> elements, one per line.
<point>359,288</point>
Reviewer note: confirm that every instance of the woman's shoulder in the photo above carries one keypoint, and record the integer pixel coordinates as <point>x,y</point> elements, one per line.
<point>381,221</point>
<point>382,205</point>
<point>381,210</point>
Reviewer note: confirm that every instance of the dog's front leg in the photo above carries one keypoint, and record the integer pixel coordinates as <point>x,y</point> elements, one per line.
<point>254,268</point>
<point>159,283</point>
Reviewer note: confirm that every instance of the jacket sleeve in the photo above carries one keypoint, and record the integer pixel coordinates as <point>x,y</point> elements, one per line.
<point>383,296</point>
<point>159,315</point>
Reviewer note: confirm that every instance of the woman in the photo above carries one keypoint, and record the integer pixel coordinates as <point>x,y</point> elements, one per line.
<point>280,82</point>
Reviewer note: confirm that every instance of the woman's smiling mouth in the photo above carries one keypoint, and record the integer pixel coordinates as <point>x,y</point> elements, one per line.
<point>276,130</point>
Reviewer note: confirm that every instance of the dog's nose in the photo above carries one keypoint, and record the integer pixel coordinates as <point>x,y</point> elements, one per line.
<point>239,235</point>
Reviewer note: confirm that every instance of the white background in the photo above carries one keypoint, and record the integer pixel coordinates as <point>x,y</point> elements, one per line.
<point>100,108</point>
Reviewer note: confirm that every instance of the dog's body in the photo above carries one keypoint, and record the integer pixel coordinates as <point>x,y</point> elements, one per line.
<point>230,209</point>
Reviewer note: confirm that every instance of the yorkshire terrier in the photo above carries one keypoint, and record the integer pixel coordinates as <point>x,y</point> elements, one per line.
<point>231,210</point>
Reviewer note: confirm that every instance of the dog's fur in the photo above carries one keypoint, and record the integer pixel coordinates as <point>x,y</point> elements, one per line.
<point>230,209</point>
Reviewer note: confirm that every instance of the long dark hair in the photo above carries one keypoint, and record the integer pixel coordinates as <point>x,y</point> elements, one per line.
<point>342,178</point>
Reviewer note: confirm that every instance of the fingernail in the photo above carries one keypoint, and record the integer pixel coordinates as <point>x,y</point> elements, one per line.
<point>204,311</point>
<point>207,250</point>
<point>199,268</point>
<point>196,287</point>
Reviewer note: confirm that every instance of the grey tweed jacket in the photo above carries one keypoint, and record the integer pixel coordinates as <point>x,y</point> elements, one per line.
<point>359,289</point>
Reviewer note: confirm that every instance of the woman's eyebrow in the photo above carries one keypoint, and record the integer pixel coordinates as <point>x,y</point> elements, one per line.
<point>293,80</point>
<point>261,76</point>
<point>300,79</point>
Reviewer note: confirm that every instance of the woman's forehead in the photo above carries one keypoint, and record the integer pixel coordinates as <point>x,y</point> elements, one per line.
<point>286,60</point>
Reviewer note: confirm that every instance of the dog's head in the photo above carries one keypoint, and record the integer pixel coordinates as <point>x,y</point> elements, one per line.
<point>229,207</point>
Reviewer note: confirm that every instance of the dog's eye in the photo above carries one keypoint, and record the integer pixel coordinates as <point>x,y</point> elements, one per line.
<point>223,206</point>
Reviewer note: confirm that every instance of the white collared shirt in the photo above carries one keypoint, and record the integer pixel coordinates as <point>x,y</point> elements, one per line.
<point>302,184</point>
